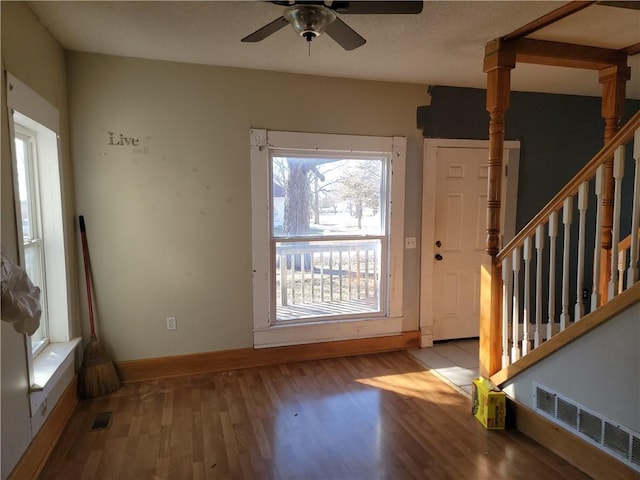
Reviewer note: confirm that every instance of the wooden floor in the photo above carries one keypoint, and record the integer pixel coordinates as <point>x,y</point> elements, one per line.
<point>365,417</point>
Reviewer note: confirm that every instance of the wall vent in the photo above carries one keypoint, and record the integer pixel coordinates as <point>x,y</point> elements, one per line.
<point>545,401</point>
<point>567,413</point>
<point>617,440</point>
<point>635,451</point>
<point>590,425</point>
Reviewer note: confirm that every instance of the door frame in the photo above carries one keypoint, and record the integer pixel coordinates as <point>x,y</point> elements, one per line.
<point>510,169</point>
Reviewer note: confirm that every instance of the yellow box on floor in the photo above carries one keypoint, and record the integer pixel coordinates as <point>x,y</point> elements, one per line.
<point>488,404</point>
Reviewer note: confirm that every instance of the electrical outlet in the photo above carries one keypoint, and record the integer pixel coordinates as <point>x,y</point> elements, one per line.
<point>410,243</point>
<point>171,323</point>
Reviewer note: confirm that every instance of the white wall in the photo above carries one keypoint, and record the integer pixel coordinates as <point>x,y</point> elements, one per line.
<point>600,371</point>
<point>169,225</point>
<point>32,55</point>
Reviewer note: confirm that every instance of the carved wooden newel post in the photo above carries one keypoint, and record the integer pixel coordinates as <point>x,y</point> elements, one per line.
<point>614,80</point>
<point>500,58</point>
<point>498,64</point>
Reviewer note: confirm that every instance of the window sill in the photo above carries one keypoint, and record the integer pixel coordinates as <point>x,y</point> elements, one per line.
<point>51,366</point>
<point>296,334</point>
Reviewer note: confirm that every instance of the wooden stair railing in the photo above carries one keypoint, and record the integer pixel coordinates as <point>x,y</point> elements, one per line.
<point>542,293</point>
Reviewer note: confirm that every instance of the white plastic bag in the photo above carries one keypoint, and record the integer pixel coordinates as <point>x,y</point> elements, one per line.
<point>20,298</point>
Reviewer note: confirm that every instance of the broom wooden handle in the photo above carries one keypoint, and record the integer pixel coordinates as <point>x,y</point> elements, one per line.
<point>87,272</point>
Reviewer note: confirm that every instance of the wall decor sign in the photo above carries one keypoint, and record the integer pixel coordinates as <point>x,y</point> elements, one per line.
<point>122,141</point>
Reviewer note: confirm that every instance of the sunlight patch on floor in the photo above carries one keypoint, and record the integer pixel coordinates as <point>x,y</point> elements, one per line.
<point>456,362</point>
<point>405,384</point>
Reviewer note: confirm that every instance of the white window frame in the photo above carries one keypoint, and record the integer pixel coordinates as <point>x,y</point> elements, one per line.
<point>267,333</point>
<point>29,110</point>
<point>36,241</point>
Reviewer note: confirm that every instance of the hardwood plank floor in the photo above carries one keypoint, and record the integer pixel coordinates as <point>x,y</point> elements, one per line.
<point>363,417</point>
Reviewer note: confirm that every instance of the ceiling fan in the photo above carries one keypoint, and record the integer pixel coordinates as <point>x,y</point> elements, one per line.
<point>313,18</point>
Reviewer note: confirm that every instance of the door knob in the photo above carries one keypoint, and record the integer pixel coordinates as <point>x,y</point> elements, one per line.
<point>438,257</point>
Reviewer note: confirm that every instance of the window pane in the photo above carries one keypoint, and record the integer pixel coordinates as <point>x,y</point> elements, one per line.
<point>33,264</point>
<point>24,190</point>
<point>327,278</point>
<point>35,271</point>
<point>318,196</point>
<point>28,191</point>
<point>39,339</point>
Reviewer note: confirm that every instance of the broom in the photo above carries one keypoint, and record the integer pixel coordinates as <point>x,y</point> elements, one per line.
<point>97,374</point>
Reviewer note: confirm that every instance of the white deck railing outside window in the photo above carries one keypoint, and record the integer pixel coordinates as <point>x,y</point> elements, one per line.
<point>324,279</point>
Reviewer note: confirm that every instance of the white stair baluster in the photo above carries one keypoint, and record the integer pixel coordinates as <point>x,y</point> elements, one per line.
<point>539,249</point>
<point>597,249</point>
<point>632,272</point>
<point>583,199</point>
<point>526,317</point>
<point>507,288</point>
<point>515,345</point>
<point>618,173</point>
<point>553,235</point>
<point>622,263</point>
<point>567,218</point>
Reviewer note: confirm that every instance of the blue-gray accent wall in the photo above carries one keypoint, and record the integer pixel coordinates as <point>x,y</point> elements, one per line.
<point>558,135</point>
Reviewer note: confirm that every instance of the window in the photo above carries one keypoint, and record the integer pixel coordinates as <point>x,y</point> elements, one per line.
<point>322,249</point>
<point>30,213</point>
<point>329,235</point>
<point>34,126</point>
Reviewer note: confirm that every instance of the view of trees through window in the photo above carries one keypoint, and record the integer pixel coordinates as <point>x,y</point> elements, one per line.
<point>327,196</point>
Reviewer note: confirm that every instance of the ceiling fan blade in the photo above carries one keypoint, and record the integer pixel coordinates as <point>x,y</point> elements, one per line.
<point>344,35</point>
<point>626,4</point>
<point>267,30</point>
<point>291,3</point>
<point>380,7</point>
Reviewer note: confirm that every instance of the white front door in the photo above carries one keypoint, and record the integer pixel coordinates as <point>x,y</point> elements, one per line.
<point>454,234</point>
<point>461,205</point>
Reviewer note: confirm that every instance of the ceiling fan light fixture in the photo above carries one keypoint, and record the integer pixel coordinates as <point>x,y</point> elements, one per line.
<point>310,21</point>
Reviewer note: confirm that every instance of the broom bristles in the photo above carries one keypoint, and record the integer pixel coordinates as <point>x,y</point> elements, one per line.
<point>98,375</point>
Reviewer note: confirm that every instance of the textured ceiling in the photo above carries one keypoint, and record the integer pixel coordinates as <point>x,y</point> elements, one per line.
<point>444,45</point>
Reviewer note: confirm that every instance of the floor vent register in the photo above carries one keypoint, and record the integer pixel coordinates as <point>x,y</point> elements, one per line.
<point>607,435</point>
<point>101,421</point>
